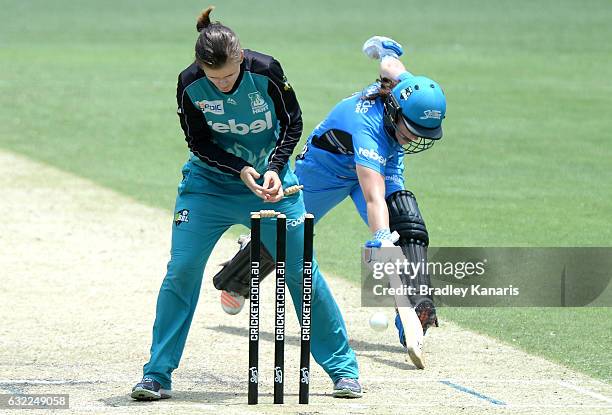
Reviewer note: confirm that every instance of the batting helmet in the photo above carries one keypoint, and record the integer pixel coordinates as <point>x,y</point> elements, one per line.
<point>420,104</point>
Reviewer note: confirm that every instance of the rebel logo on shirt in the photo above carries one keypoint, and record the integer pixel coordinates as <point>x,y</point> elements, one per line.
<point>372,155</point>
<point>216,107</point>
<point>363,106</point>
<point>233,127</point>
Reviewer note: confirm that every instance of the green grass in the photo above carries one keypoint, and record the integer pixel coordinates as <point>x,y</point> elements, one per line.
<point>575,337</point>
<point>89,87</point>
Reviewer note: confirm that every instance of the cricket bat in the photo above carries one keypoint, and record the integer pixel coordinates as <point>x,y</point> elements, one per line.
<point>413,331</point>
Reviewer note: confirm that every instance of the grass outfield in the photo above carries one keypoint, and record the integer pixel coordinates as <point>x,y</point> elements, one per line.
<point>525,161</point>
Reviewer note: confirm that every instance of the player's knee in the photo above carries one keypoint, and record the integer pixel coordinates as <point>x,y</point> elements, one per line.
<point>405,218</point>
<point>182,280</point>
<point>184,267</point>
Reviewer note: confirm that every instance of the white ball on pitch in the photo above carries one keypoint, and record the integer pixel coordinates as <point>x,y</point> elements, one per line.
<point>379,322</point>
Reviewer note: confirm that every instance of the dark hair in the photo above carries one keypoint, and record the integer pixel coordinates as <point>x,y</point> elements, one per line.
<point>216,44</point>
<point>384,89</point>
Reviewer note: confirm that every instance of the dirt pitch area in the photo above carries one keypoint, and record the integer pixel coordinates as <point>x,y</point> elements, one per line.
<point>81,267</point>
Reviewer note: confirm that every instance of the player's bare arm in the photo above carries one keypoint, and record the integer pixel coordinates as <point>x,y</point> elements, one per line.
<point>391,67</point>
<point>373,186</point>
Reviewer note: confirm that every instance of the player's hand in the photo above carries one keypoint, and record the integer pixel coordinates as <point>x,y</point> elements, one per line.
<point>248,175</point>
<point>378,47</point>
<point>374,253</point>
<point>272,187</point>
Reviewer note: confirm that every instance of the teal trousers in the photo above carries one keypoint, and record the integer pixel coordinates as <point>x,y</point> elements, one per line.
<point>207,205</point>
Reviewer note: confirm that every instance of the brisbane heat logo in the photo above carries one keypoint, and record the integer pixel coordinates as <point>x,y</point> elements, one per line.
<point>258,104</point>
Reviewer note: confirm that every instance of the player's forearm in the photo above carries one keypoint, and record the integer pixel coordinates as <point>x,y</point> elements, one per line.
<point>378,214</point>
<point>391,68</point>
<point>372,185</point>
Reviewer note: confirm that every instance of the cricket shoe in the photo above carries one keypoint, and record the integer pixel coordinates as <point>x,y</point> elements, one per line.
<point>426,312</point>
<point>378,47</point>
<point>347,388</point>
<point>148,389</point>
<point>231,302</point>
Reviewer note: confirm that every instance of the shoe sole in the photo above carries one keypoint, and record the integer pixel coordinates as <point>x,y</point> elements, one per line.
<point>141,394</point>
<point>346,394</point>
<point>416,357</point>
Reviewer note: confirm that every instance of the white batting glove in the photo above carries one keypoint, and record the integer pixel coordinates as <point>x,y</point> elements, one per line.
<point>378,47</point>
<point>373,253</point>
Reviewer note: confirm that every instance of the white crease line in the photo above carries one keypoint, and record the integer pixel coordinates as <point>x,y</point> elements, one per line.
<point>544,406</point>
<point>586,391</point>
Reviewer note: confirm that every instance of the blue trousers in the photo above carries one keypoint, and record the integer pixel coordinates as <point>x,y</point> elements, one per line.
<point>324,188</point>
<point>206,206</point>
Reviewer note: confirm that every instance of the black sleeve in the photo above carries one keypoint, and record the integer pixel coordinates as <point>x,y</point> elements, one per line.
<point>287,112</point>
<point>199,136</point>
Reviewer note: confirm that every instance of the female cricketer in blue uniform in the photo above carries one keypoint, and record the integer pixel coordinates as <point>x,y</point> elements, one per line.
<point>358,151</point>
<point>241,121</point>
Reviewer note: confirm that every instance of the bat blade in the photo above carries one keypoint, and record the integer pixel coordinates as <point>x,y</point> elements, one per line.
<point>413,331</point>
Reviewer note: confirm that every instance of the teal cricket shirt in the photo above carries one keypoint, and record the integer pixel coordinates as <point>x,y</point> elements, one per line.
<point>257,123</point>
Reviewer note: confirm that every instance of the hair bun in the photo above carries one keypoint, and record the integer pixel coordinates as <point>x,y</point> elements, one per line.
<point>204,18</point>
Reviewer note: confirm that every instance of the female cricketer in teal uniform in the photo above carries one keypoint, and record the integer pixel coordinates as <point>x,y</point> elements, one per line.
<point>241,121</point>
